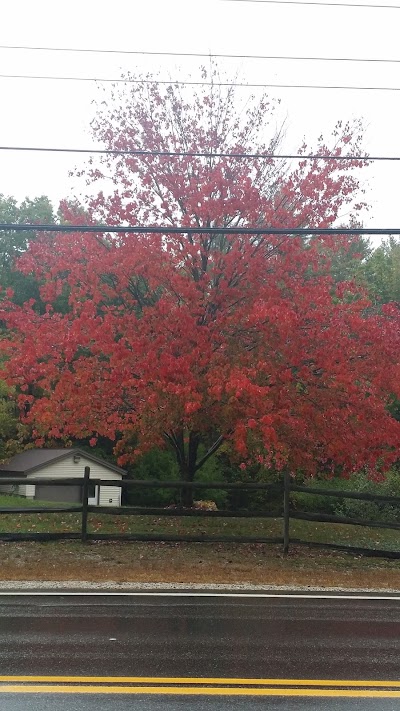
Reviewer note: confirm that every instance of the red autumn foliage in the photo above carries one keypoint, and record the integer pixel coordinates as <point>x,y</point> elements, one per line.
<point>207,338</point>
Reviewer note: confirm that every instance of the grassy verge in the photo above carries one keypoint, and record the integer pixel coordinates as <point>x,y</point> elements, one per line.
<point>201,563</point>
<point>195,562</point>
<point>358,536</point>
<point>10,501</point>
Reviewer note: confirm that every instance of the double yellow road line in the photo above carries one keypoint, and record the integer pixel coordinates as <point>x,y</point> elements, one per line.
<point>199,686</point>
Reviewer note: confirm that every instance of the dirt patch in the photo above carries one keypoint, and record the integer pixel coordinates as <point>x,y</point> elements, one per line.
<point>193,563</point>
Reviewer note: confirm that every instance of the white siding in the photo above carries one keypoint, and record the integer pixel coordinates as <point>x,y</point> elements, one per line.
<point>68,469</point>
<point>22,490</point>
<point>110,496</point>
<point>27,490</point>
<point>9,489</point>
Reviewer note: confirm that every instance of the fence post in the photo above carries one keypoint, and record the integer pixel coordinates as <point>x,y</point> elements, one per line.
<point>286,507</point>
<point>85,496</point>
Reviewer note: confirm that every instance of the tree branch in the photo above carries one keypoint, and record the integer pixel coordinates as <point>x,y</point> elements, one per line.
<point>210,452</point>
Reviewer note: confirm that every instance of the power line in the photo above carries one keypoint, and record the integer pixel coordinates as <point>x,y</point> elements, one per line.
<point>203,55</point>
<point>321,4</point>
<point>143,229</point>
<point>189,154</point>
<point>178,82</point>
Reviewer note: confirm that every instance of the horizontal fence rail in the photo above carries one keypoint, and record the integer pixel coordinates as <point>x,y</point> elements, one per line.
<point>330,518</point>
<point>347,520</point>
<point>283,488</point>
<point>146,483</point>
<point>157,484</point>
<point>177,511</point>
<point>395,500</point>
<point>40,510</point>
<point>67,481</point>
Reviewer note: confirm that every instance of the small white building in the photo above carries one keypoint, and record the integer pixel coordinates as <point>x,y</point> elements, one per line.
<point>61,463</point>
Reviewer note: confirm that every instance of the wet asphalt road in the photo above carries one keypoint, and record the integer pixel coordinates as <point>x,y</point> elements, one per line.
<point>176,636</point>
<point>187,703</point>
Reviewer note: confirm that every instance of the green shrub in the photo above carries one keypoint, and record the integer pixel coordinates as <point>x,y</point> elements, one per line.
<point>352,508</point>
<point>160,464</point>
<point>245,499</point>
<point>318,503</point>
<point>372,510</point>
<point>211,472</point>
<point>156,464</point>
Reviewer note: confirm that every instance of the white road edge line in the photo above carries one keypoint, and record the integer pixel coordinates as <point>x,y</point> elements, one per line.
<point>294,596</point>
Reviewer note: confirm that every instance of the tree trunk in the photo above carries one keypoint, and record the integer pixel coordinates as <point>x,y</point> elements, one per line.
<point>188,468</point>
<point>187,493</point>
<point>187,459</point>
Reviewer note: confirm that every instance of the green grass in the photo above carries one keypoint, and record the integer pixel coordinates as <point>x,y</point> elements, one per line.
<point>344,534</point>
<point>22,502</point>
<point>102,523</point>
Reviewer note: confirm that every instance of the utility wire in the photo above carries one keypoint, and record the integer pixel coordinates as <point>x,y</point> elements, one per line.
<point>178,82</point>
<point>189,154</point>
<point>204,55</point>
<point>321,4</point>
<point>143,229</point>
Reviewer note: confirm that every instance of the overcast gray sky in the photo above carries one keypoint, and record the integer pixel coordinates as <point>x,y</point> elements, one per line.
<point>58,113</point>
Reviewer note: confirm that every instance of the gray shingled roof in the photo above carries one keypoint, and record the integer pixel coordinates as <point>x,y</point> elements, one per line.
<point>33,459</point>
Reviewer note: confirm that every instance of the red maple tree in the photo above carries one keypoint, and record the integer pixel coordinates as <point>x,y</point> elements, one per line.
<point>200,339</point>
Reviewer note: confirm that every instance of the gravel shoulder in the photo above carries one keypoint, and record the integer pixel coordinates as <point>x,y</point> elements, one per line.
<point>180,565</point>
